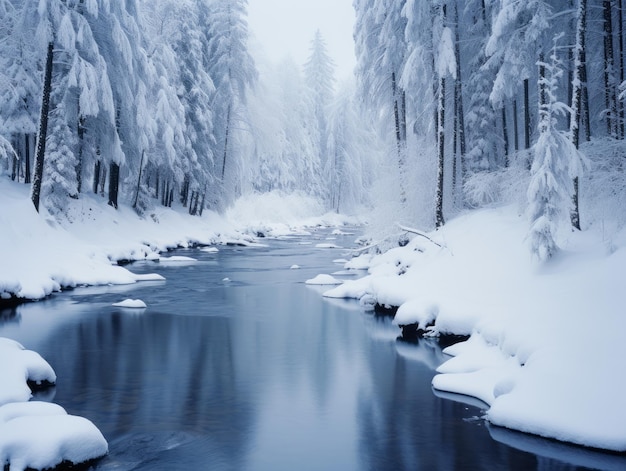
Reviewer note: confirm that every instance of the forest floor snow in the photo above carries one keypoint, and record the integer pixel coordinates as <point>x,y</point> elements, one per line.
<point>547,341</point>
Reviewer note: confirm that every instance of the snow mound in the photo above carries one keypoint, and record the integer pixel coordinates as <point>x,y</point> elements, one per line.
<point>131,303</point>
<point>38,435</point>
<point>41,435</point>
<point>323,280</point>
<point>327,246</point>
<point>17,365</point>
<point>294,267</point>
<point>210,249</point>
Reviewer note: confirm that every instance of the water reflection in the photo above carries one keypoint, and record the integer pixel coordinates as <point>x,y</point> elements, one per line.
<point>257,374</point>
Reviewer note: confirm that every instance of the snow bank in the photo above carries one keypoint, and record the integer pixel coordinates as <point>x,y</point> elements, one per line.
<point>547,342</point>
<point>47,255</point>
<point>38,435</point>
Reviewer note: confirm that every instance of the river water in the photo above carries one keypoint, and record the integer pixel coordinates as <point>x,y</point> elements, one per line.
<point>236,364</point>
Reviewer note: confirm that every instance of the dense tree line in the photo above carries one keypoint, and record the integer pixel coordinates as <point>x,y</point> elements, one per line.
<point>160,102</point>
<point>129,99</point>
<point>473,90</point>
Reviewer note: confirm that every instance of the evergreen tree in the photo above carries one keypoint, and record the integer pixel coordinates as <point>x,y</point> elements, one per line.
<point>319,75</point>
<point>233,72</point>
<point>555,165</point>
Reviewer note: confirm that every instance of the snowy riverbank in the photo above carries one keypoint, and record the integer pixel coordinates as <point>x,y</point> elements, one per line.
<point>43,255</point>
<point>547,341</point>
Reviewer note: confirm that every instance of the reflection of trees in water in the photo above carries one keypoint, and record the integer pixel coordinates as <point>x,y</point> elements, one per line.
<point>404,426</point>
<point>9,315</point>
<point>152,373</point>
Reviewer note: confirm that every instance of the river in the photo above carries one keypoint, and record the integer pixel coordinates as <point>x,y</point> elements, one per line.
<point>236,364</point>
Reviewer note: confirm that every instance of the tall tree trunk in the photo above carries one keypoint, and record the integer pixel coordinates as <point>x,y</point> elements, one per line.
<point>441,107</point>
<point>97,170</point>
<point>114,183</point>
<point>505,137</point>
<point>43,129</point>
<point>15,161</point>
<point>576,100</point>
<point>79,164</point>
<point>527,125</point>
<point>201,209</point>
<point>400,126</point>
<point>515,126</point>
<point>459,112</point>
<point>27,158</point>
<point>228,112</point>
<point>620,103</point>
<point>609,63</point>
<point>139,180</point>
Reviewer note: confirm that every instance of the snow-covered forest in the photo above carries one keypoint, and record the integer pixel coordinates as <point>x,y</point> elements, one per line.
<point>456,105</point>
<point>483,142</point>
<point>149,103</point>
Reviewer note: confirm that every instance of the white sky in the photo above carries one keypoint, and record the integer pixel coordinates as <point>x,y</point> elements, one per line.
<point>287,27</point>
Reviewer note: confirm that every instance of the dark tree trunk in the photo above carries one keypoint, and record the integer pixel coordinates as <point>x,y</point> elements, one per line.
<point>114,183</point>
<point>193,205</point>
<point>201,208</point>
<point>620,28</point>
<point>27,158</point>
<point>527,125</point>
<point>400,126</point>
<point>609,62</point>
<point>138,181</point>
<point>43,129</point>
<point>459,114</point>
<point>505,137</point>
<point>79,164</point>
<point>439,219</point>
<point>184,193</point>
<point>515,126</point>
<point>577,86</point>
<point>96,175</point>
<point>226,141</point>
<point>15,161</point>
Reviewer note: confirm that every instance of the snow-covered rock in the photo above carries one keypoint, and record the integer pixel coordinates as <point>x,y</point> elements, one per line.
<point>131,304</point>
<point>323,280</point>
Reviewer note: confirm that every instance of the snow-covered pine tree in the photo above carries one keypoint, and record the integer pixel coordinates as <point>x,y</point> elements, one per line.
<point>82,111</point>
<point>556,163</point>
<point>121,42</point>
<point>483,140</point>
<point>20,90</point>
<point>319,75</point>
<point>233,72</point>
<point>381,49</point>
<point>191,47</point>
<point>170,152</point>
<point>350,151</point>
